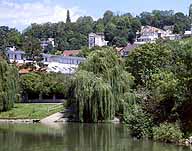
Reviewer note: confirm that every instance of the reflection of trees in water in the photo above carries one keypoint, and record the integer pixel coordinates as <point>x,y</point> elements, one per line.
<point>76,137</point>
<point>95,137</point>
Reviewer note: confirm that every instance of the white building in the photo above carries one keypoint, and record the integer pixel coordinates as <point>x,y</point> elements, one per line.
<point>97,39</point>
<point>54,63</point>
<point>188,33</point>
<point>150,34</point>
<point>45,43</point>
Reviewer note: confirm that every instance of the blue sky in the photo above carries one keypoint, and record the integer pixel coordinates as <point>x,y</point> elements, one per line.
<point>21,13</point>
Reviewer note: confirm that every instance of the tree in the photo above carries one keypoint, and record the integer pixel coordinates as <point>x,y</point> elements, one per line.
<point>147,60</point>
<point>99,26</point>
<point>108,15</point>
<point>101,85</point>
<point>190,13</point>
<point>32,48</point>
<point>9,87</point>
<point>49,85</point>
<point>68,19</point>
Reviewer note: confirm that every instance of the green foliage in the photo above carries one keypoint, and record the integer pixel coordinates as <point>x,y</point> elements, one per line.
<point>160,19</point>
<point>163,85</point>
<point>147,60</point>
<point>168,133</point>
<point>163,80</point>
<point>32,48</point>
<point>95,100</point>
<point>9,88</point>
<point>118,29</point>
<point>49,84</point>
<point>190,13</point>
<point>138,122</point>
<point>100,86</point>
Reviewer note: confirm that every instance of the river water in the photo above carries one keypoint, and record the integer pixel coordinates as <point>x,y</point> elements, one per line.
<point>75,137</point>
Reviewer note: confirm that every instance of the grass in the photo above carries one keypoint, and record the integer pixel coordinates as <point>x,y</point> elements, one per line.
<point>31,111</point>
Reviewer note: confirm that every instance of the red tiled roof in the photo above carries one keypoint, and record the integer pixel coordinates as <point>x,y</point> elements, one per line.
<point>71,52</point>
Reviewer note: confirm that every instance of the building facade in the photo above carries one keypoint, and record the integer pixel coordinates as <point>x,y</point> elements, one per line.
<point>45,43</point>
<point>149,34</point>
<point>54,63</point>
<point>97,39</point>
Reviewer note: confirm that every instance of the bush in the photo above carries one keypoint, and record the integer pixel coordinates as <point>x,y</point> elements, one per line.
<point>138,122</point>
<point>168,133</point>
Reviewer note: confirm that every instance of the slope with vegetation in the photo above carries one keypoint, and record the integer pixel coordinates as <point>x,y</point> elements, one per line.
<point>118,29</point>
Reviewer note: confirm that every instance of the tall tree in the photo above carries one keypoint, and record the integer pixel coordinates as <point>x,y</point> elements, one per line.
<point>190,13</point>
<point>68,19</point>
<point>9,89</point>
<point>32,48</point>
<point>102,86</point>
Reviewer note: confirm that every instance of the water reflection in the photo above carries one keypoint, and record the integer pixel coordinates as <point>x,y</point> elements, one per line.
<point>75,137</point>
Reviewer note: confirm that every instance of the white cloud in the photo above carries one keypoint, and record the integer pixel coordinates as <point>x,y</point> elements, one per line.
<point>21,15</point>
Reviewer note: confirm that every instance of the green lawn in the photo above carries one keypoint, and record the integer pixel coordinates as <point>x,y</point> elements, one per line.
<point>31,111</point>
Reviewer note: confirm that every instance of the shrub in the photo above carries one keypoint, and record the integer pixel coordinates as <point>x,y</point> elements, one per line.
<point>168,133</point>
<point>138,122</point>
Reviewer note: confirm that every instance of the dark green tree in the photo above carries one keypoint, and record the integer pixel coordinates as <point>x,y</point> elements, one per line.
<point>32,48</point>
<point>68,19</point>
<point>190,13</point>
<point>9,87</point>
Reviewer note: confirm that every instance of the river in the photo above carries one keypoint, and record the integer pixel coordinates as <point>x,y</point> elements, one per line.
<point>75,137</point>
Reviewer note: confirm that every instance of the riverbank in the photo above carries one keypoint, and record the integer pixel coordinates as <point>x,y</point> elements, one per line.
<point>29,113</point>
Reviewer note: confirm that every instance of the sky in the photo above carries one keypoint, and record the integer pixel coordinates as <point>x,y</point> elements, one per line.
<point>21,13</point>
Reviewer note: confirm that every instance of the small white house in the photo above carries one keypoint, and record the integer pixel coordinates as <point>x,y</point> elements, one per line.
<point>15,55</point>
<point>45,43</point>
<point>97,39</point>
<point>150,34</point>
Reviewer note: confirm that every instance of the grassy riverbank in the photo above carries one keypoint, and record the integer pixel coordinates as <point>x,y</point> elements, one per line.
<point>31,111</point>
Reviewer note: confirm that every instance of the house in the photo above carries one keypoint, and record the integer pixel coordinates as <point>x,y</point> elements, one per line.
<point>149,34</point>
<point>15,55</point>
<point>173,37</point>
<point>45,43</point>
<point>188,33</point>
<point>97,39</point>
<point>71,52</point>
<point>124,52</point>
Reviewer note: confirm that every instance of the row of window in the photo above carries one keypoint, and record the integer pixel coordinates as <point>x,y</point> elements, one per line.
<point>64,61</point>
<point>16,56</point>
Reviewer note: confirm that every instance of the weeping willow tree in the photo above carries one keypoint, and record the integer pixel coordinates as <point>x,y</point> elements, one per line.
<point>9,90</point>
<point>102,86</point>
